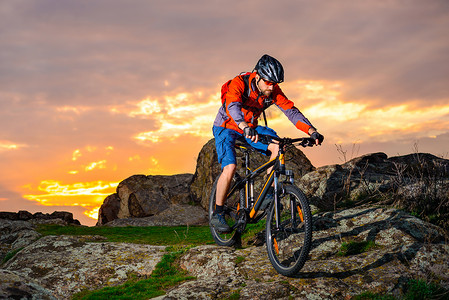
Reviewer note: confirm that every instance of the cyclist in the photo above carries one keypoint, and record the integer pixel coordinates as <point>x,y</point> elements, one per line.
<point>239,117</point>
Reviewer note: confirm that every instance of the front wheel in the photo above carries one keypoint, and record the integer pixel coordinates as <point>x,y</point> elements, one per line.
<point>231,207</point>
<point>288,244</point>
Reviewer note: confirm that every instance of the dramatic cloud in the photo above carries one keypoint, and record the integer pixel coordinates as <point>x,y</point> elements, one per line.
<point>92,92</point>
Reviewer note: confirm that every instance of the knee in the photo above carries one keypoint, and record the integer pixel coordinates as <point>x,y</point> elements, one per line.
<point>229,170</point>
<point>274,148</point>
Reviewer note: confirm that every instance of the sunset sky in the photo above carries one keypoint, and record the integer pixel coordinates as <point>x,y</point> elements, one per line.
<point>92,92</point>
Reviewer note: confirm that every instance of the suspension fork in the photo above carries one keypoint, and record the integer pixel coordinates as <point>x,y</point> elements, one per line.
<point>249,186</point>
<point>278,170</point>
<point>277,211</point>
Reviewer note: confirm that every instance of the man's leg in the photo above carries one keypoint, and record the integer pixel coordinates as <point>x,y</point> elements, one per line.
<point>224,143</point>
<point>274,149</point>
<point>223,183</point>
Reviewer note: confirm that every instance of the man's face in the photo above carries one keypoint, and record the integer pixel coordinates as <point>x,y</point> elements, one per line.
<point>264,86</point>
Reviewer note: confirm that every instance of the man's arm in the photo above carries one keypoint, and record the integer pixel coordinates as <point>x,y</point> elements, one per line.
<point>295,116</point>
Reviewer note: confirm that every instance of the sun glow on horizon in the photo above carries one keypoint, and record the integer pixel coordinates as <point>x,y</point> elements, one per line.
<point>89,195</point>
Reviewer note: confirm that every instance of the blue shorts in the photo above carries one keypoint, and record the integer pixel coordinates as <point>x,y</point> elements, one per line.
<point>225,141</point>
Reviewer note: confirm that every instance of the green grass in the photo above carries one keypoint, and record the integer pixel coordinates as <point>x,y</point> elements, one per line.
<point>414,290</point>
<point>354,248</point>
<point>10,255</point>
<point>165,275</point>
<point>251,231</point>
<point>155,235</point>
<point>420,289</point>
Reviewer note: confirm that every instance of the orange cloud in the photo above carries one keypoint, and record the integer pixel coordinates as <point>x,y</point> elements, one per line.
<point>181,114</point>
<point>325,105</point>
<point>89,195</point>
<point>7,145</point>
<point>96,165</point>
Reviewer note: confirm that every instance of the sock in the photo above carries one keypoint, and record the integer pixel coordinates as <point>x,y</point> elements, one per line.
<point>218,209</point>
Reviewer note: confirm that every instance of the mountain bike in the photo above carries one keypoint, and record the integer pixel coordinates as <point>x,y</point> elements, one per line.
<point>288,231</point>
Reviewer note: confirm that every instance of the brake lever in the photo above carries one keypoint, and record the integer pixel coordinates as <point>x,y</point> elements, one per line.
<point>307,142</point>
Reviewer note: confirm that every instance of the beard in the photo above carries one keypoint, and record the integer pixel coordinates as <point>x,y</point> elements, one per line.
<point>267,93</point>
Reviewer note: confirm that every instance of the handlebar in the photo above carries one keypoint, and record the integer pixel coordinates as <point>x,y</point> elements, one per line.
<point>304,141</point>
<point>267,139</point>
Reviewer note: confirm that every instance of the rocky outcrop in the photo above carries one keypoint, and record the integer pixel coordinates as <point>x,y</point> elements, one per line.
<point>109,209</point>
<point>15,235</point>
<point>376,176</point>
<point>142,196</point>
<point>208,169</point>
<point>402,247</point>
<point>17,229</point>
<point>61,217</point>
<point>68,264</point>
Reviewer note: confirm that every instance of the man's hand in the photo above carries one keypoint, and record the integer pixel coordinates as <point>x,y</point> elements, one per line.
<point>251,133</point>
<point>317,137</point>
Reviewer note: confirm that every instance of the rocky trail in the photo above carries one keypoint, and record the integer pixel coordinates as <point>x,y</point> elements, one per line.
<point>402,247</point>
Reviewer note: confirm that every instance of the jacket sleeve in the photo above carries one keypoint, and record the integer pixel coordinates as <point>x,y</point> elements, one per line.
<point>289,109</point>
<point>234,100</point>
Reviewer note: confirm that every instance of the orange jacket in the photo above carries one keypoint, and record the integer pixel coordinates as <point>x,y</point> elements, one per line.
<point>250,110</point>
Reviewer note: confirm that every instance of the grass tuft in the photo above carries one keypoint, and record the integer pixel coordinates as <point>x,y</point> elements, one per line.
<point>166,274</point>
<point>354,248</point>
<point>153,235</point>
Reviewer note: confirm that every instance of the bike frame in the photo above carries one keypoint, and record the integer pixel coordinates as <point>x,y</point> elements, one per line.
<point>278,164</point>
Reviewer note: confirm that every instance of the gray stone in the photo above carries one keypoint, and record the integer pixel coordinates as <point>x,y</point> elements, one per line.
<point>68,264</point>
<point>16,286</point>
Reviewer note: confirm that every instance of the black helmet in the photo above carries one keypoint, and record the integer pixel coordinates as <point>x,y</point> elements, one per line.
<point>270,69</point>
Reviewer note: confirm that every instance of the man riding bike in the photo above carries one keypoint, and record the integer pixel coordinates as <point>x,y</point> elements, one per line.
<point>238,117</point>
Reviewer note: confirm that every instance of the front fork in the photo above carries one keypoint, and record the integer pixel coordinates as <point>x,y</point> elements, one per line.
<point>278,190</point>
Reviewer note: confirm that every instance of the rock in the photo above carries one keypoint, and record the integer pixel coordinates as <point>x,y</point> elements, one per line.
<point>374,176</point>
<point>15,286</point>
<point>143,196</point>
<point>404,248</point>
<point>208,169</point>
<point>109,209</point>
<point>15,235</point>
<point>68,264</point>
<point>175,215</point>
<point>38,218</point>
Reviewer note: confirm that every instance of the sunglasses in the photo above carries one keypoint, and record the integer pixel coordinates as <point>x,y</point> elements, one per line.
<point>269,83</point>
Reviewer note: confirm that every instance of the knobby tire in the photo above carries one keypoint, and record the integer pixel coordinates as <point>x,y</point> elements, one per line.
<point>230,209</point>
<point>288,247</point>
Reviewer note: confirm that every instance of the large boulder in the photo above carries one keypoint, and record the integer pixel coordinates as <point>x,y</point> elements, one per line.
<point>68,264</point>
<point>142,196</point>
<point>375,176</point>
<point>208,169</point>
<point>109,209</point>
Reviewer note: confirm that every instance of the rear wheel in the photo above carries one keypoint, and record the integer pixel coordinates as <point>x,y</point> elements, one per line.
<point>289,244</point>
<point>231,207</point>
